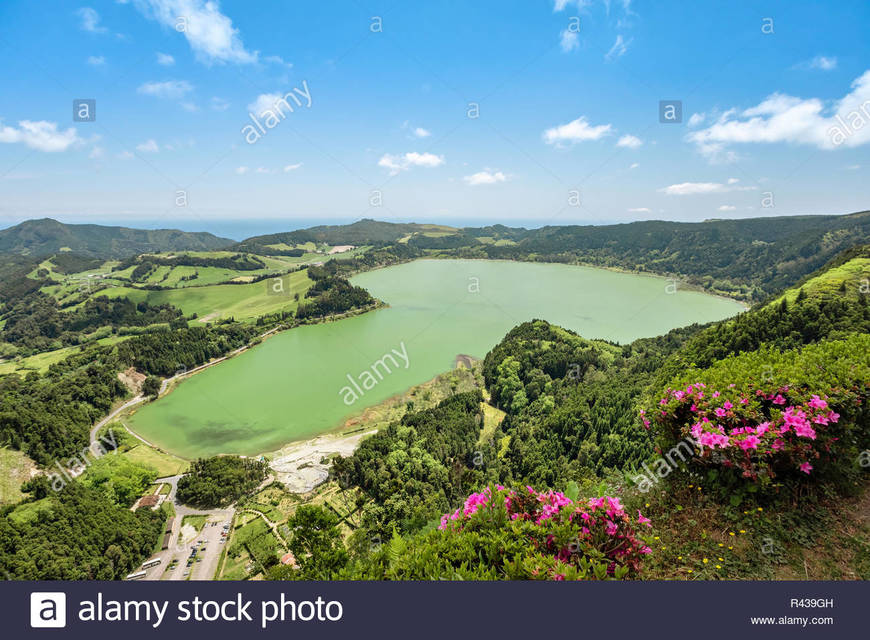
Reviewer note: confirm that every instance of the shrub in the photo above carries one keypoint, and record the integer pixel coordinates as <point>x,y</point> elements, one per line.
<point>508,535</point>
<point>767,414</point>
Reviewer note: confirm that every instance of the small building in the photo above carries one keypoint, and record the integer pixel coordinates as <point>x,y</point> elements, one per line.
<point>289,559</point>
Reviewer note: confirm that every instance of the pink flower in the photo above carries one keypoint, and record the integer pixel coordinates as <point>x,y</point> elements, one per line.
<point>611,528</point>
<point>806,467</point>
<point>642,520</point>
<point>817,403</point>
<point>751,442</point>
<point>720,412</point>
<point>728,405</point>
<point>778,399</point>
<point>806,431</point>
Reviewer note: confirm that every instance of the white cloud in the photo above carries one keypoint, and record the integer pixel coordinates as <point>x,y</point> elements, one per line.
<point>695,188</point>
<point>165,59</point>
<point>575,131</point>
<point>640,210</point>
<point>727,207</point>
<point>559,5</point>
<point>292,167</point>
<point>420,132</point>
<point>632,142</point>
<point>96,61</point>
<point>263,170</point>
<point>397,163</point>
<point>40,135</point>
<point>278,60</point>
<point>149,146</point>
<point>485,177</point>
<point>169,89</point>
<point>241,170</point>
<point>570,40</point>
<point>97,153</point>
<point>634,165</point>
<point>264,102</point>
<point>219,104</point>
<point>853,167</point>
<point>209,32</point>
<point>782,118</point>
<point>190,106</point>
<point>696,119</point>
<point>821,63</point>
<point>90,20</point>
<point>618,49</point>
<point>125,155</point>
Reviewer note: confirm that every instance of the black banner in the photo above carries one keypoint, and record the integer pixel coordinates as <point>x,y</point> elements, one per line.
<point>435,609</point>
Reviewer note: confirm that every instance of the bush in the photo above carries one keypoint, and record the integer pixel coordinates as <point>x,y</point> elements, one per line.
<point>519,535</point>
<point>766,414</point>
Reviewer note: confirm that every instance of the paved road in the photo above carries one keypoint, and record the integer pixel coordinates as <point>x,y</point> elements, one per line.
<point>180,549</point>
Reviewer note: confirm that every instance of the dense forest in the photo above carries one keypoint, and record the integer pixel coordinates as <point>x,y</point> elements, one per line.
<point>48,416</point>
<point>218,481</point>
<point>417,466</point>
<point>165,353</point>
<point>36,322</point>
<point>74,534</point>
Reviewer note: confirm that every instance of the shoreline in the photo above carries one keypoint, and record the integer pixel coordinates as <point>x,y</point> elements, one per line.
<point>342,428</point>
<point>682,286</point>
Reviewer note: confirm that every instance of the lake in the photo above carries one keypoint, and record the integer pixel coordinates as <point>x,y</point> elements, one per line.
<point>308,380</point>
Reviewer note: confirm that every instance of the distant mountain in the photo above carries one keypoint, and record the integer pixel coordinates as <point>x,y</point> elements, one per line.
<point>748,258</point>
<point>46,236</point>
<point>362,232</point>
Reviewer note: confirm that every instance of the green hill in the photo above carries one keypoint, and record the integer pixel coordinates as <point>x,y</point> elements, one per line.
<point>46,236</point>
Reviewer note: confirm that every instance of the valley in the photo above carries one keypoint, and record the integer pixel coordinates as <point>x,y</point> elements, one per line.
<point>379,373</point>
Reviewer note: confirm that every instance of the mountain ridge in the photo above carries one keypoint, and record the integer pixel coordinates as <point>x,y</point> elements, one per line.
<point>47,236</point>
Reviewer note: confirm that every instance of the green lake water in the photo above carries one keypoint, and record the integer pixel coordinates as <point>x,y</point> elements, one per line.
<point>293,385</point>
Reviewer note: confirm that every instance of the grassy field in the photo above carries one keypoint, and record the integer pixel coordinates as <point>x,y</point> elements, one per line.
<point>853,274</point>
<point>197,522</point>
<point>241,301</point>
<point>166,464</point>
<point>14,469</point>
<point>30,510</point>
<point>42,361</point>
<point>492,417</point>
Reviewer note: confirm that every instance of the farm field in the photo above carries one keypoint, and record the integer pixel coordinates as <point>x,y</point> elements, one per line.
<point>240,301</point>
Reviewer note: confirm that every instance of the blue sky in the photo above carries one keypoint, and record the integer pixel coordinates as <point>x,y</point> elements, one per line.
<point>775,99</point>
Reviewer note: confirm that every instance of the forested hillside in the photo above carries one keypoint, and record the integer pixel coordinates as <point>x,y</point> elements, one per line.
<point>46,236</point>
<point>710,452</point>
<point>748,258</point>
